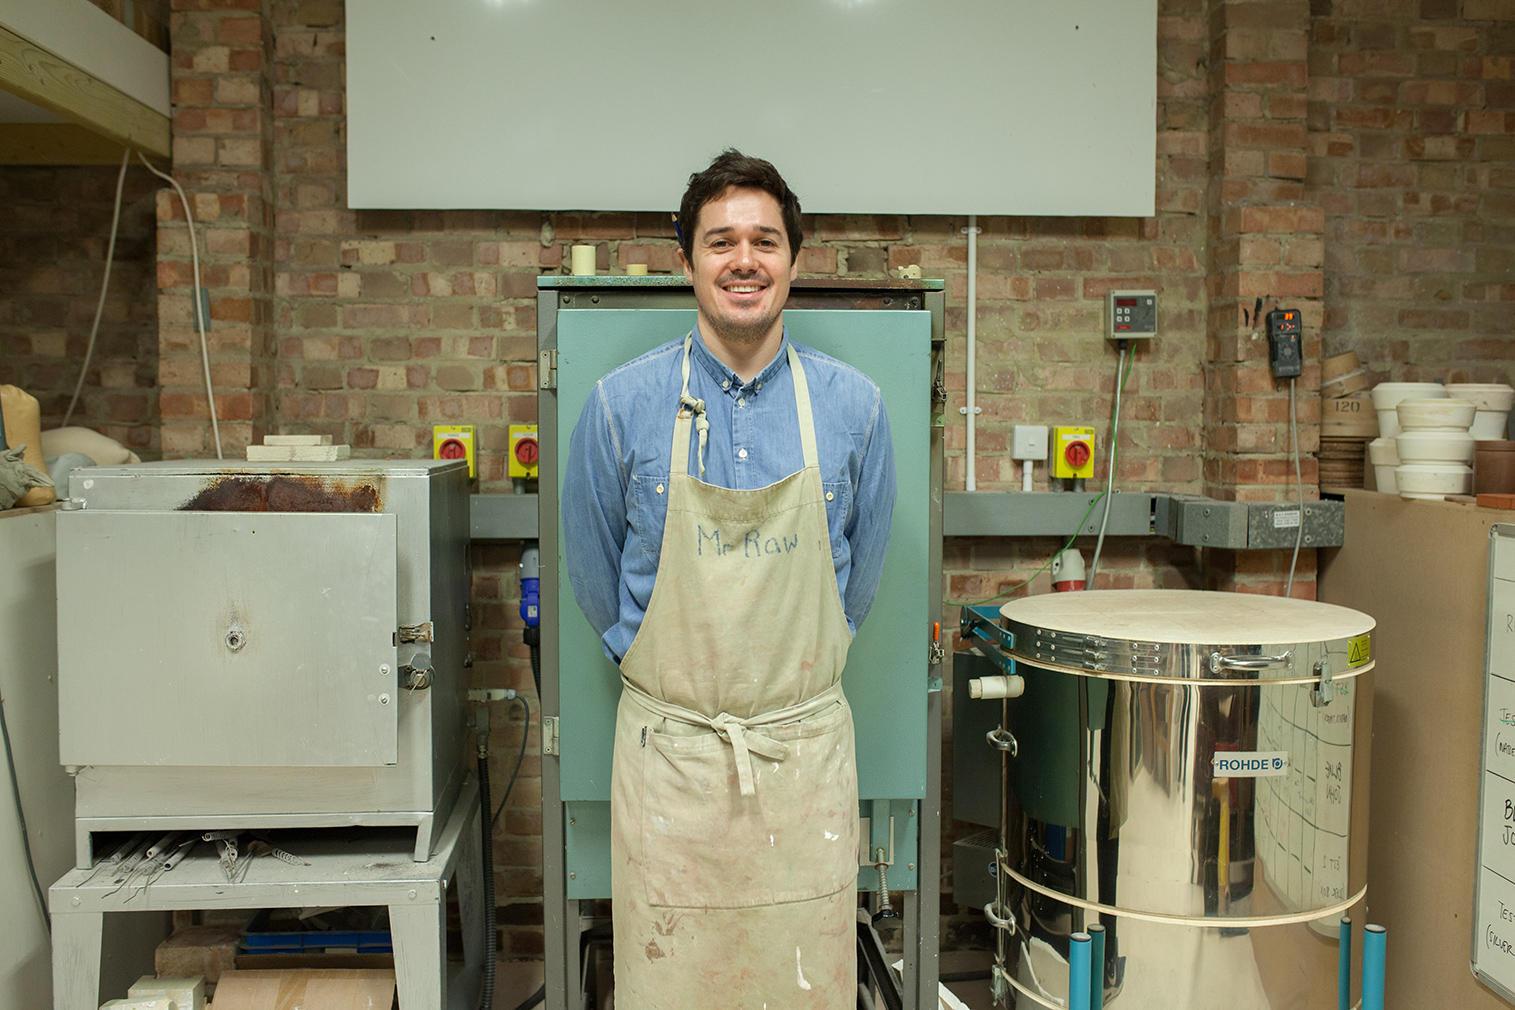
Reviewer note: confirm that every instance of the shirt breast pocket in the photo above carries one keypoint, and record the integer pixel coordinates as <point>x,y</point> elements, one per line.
<point>650,512</point>
<point>838,504</point>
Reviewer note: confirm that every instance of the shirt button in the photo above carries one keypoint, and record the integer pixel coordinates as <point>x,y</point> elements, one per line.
<point>829,496</point>
<point>726,384</point>
<point>741,401</point>
<point>741,454</point>
<point>660,489</point>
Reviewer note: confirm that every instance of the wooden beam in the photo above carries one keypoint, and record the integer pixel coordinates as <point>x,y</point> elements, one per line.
<point>55,144</point>
<point>41,78</point>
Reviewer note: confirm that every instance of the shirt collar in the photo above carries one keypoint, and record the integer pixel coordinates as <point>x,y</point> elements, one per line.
<point>721,374</point>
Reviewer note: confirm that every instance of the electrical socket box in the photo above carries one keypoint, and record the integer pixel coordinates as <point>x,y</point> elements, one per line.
<point>1131,315</point>
<point>454,441</point>
<point>1284,355</point>
<point>523,451</point>
<point>1072,452</point>
<point>1029,441</point>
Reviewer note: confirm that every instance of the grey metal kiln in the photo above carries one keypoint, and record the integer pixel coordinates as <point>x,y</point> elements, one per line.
<point>247,645</point>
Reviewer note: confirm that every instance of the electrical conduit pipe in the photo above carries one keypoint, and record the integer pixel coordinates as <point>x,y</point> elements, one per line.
<point>971,410</point>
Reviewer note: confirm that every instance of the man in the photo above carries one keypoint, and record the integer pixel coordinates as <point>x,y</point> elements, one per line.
<point>726,507</point>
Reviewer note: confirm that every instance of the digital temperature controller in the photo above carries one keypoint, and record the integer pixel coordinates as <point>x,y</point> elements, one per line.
<point>1131,315</point>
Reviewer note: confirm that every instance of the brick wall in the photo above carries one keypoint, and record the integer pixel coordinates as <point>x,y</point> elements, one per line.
<point>1412,160</point>
<point>1305,154</point>
<point>54,228</point>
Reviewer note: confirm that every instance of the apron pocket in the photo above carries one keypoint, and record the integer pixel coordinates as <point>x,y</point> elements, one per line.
<point>705,845</point>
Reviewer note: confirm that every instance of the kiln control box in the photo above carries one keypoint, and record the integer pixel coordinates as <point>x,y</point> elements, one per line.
<point>1131,315</point>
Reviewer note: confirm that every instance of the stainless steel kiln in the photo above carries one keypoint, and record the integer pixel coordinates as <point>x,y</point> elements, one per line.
<point>1182,768</point>
<point>247,645</point>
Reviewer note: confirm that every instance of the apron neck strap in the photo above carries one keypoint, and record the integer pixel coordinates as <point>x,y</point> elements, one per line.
<point>692,408</point>
<point>678,462</point>
<point>802,407</point>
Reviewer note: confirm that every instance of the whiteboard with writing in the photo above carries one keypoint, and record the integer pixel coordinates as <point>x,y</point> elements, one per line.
<point>1494,889</point>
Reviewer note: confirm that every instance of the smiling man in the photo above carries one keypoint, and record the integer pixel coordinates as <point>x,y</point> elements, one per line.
<point>726,506</point>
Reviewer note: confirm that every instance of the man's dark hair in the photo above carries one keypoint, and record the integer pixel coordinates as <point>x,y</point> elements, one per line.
<point>733,168</point>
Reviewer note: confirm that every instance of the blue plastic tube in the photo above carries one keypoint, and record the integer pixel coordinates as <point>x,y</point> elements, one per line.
<point>1344,966</point>
<point>1096,967</point>
<point>1374,940</point>
<point>1078,972</point>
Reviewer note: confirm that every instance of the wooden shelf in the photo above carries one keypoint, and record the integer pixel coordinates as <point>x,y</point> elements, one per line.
<point>33,73</point>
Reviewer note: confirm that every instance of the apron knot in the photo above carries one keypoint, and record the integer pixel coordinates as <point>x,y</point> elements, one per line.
<point>735,732</point>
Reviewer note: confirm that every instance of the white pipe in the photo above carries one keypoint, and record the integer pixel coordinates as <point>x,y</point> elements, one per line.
<point>972,409</point>
<point>1026,474</point>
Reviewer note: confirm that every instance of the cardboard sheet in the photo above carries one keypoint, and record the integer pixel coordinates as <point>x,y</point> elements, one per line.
<point>306,989</point>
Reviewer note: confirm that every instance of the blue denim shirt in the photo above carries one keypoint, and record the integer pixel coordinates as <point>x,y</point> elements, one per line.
<point>618,455</point>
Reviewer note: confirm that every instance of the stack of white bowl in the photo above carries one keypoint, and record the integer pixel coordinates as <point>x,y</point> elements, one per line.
<point>1435,447</point>
<point>1494,400</point>
<point>1382,451</point>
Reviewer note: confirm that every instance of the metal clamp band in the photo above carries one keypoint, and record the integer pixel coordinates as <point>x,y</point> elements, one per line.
<point>1202,922</point>
<point>1002,739</point>
<point>1143,678</point>
<point>1219,662</point>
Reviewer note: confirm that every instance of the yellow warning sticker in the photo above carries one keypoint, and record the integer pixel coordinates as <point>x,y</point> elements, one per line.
<point>1359,650</point>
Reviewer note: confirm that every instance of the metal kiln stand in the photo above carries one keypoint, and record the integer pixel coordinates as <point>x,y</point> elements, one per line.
<point>378,870</point>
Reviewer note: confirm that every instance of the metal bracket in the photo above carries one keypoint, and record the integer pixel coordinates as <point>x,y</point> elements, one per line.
<point>547,369</point>
<point>550,735</point>
<point>1322,693</point>
<point>982,623</point>
<point>415,632</point>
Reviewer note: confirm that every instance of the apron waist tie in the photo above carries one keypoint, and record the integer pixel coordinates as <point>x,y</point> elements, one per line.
<point>740,733</point>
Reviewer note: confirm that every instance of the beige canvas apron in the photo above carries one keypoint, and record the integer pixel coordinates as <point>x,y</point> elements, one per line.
<point>734,791</point>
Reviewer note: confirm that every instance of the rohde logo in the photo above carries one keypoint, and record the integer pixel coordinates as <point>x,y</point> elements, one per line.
<point>1249,764</point>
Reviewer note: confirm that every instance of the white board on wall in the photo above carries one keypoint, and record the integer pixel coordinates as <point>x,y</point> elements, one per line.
<point>1026,107</point>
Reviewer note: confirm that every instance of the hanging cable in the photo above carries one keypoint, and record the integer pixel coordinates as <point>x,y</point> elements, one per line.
<point>194,254</point>
<point>1120,384</point>
<point>26,842</point>
<point>520,759</point>
<point>491,925</point>
<point>1299,533</point>
<point>110,254</point>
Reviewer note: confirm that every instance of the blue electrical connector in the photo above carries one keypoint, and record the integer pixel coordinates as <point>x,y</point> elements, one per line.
<point>531,581</point>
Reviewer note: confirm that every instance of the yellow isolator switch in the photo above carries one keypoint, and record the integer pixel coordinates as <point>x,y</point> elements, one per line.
<point>523,451</point>
<point>1072,452</point>
<point>454,442</point>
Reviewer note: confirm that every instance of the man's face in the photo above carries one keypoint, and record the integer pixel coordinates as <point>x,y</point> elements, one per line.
<point>741,268</point>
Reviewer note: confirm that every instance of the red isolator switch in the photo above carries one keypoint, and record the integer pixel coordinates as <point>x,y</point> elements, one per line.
<point>1072,452</point>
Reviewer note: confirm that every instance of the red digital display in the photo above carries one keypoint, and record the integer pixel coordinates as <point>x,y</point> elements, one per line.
<point>1125,302</point>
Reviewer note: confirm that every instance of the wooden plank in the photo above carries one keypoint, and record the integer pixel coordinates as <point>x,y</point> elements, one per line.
<point>82,33</point>
<point>55,144</point>
<point>38,76</point>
